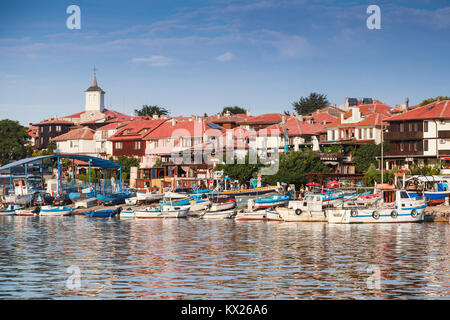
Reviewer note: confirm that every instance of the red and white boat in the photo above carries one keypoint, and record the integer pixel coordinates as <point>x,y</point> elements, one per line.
<point>222,205</point>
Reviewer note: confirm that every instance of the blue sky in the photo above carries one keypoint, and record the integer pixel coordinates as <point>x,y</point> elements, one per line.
<point>199,56</point>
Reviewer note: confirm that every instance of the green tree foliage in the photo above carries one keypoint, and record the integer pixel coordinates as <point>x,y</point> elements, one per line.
<point>242,172</point>
<point>14,142</point>
<point>95,176</point>
<point>366,155</point>
<point>157,163</point>
<point>335,148</point>
<point>372,175</point>
<point>148,110</point>
<point>294,166</point>
<point>127,163</point>
<point>430,100</point>
<point>233,110</point>
<point>425,170</point>
<point>314,101</point>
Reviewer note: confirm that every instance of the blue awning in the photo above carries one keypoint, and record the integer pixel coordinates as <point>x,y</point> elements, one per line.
<point>97,162</point>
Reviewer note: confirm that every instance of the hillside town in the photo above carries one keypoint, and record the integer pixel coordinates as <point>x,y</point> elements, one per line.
<point>417,136</point>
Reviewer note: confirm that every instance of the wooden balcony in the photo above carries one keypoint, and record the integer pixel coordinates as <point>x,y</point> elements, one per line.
<point>409,135</point>
<point>444,134</point>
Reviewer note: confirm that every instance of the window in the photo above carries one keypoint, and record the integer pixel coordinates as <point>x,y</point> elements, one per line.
<point>359,133</point>
<point>410,126</point>
<point>425,145</point>
<point>58,128</point>
<point>119,145</point>
<point>371,133</point>
<point>415,146</point>
<point>425,126</point>
<point>137,145</point>
<point>402,127</point>
<point>404,195</point>
<point>402,146</point>
<point>416,127</point>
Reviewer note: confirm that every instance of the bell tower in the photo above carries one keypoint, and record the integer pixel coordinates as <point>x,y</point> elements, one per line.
<point>95,100</point>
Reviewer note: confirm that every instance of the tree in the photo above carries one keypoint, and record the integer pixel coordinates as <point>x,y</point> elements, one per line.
<point>367,154</point>
<point>148,110</point>
<point>294,166</point>
<point>233,110</point>
<point>127,163</point>
<point>431,100</point>
<point>314,101</point>
<point>242,172</point>
<point>14,142</point>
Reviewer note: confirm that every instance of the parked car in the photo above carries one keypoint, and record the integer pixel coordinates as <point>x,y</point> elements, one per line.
<point>42,199</point>
<point>62,199</point>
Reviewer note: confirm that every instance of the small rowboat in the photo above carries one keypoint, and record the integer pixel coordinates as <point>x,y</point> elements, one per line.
<point>55,211</point>
<point>227,214</point>
<point>222,205</point>
<point>127,214</point>
<point>10,210</point>
<point>166,211</point>
<point>272,201</point>
<point>102,213</point>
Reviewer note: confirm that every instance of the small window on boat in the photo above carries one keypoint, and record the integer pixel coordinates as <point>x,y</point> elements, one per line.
<point>318,198</point>
<point>305,204</point>
<point>404,195</point>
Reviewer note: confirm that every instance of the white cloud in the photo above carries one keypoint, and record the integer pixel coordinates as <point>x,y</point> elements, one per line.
<point>227,56</point>
<point>154,61</point>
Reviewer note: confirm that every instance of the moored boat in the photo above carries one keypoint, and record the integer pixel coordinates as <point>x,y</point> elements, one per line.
<point>272,215</point>
<point>127,214</point>
<point>272,201</point>
<point>55,211</point>
<point>396,206</point>
<point>28,212</point>
<point>309,209</point>
<point>103,213</point>
<point>10,210</point>
<point>226,214</point>
<point>164,211</point>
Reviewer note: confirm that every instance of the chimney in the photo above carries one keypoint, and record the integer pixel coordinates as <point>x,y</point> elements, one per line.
<point>291,114</point>
<point>300,118</point>
<point>438,99</point>
<point>174,121</point>
<point>155,116</point>
<point>346,102</point>
<point>248,112</point>
<point>283,119</point>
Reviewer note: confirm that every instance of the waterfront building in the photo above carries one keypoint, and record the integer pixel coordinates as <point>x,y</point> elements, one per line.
<point>419,136</point>
<point>79,141</point>
<point>49,129</point>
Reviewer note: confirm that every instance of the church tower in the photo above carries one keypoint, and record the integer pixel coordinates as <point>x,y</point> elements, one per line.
<point>95,100</point>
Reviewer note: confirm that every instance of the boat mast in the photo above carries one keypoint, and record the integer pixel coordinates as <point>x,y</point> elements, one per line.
<point>382,134</point>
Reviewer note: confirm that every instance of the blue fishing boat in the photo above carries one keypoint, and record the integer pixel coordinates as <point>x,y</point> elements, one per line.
<point>102,213</point>
<point>433,188</point>
<point>272,201</point>
<point>83,194</point>
<point>55,211</point>
<point>10,210</point>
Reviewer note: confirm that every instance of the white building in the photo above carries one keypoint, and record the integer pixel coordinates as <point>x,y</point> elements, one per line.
<point>80,140</point>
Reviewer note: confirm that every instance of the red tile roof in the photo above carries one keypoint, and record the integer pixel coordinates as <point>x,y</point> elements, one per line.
<point>435,110</point>
<point>53,121</point>
<point>112,126</point>
<point>76,134</point>
<point>268,118</point>
<point>374,119</point>
<point>193,128</point>
<point>136,130</point>
<point>295,128</point>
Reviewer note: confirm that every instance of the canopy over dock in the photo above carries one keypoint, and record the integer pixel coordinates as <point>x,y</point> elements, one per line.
<point>92,161</point>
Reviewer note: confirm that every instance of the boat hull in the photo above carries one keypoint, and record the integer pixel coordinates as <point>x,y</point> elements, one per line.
<point>391,215</point>
<point>251,215</point>
<point>227,214</point>
<point>290,215</point>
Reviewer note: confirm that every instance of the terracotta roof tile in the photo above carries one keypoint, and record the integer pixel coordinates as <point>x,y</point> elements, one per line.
<point>435,110</point>
<point>76,134</point>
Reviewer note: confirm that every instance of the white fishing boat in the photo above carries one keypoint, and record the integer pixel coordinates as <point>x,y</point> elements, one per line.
<point>222,204</point>
<point>395,206</point>
<point>250,213</point>
<point>10,210</point>
<point>165,211</point>
<point>131,201</point>
<point>226,214</point>
<point>55,211</point>
<point>199,205</point>
<point>310,209</point>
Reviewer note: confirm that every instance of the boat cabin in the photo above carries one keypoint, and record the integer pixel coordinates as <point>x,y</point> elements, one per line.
<point>312,202</point>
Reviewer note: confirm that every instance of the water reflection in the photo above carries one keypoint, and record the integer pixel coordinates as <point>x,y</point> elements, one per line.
<point>193,259</point>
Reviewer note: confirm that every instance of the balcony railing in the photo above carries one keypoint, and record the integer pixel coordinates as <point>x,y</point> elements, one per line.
<point>397,135</point>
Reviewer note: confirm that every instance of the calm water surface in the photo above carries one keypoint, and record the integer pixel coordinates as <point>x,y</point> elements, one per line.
<point>224,259</point>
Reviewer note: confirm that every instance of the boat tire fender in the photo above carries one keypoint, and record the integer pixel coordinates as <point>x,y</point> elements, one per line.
<point>414,213</point>
<point>376,215</point>
<point>394,214</point>
<point>354,213</point>
<point>298,211</point>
